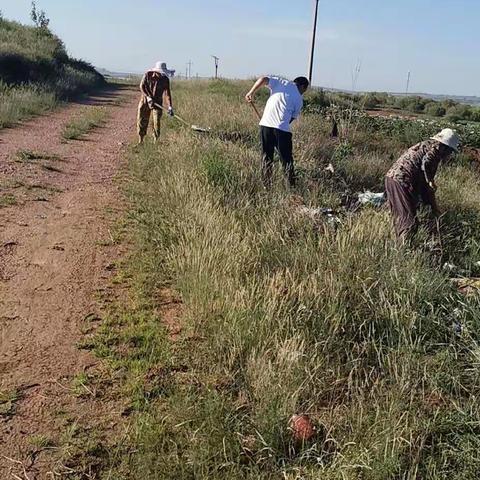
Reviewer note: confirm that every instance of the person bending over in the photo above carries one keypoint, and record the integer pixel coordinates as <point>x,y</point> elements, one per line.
<point>283,107</point>
<point>411,180</point>
<point>155,88</point>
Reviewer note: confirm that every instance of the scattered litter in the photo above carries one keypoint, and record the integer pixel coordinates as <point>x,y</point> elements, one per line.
<point>302,428</point>
<point>330,168</point>
<point>371,198</point>
<point>457,325</point>
<point>315,213</point>
<point>457,328</point>
<point>450,267</point>
<point>200,129</point>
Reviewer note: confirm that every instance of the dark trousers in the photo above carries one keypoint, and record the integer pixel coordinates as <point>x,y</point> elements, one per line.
<point>403,205</point>
<point>273,138</point>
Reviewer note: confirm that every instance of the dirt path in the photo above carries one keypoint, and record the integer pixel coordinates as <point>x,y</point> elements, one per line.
<point>56,255</point>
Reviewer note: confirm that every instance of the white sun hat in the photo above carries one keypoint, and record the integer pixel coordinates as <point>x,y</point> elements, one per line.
<point>448,137</point>
<point>157,67</point>
<point>161,67</point>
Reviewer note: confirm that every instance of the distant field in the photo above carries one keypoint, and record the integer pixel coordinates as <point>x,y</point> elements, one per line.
<point>241,311</point>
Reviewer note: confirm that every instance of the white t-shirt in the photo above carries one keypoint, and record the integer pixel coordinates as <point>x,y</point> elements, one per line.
<point>285,103</point>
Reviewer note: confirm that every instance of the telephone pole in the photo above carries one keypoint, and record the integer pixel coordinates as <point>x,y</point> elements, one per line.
<point>408,83</point>
<point>314,36</point>
<point>216,65</point>
<point>189,69</point>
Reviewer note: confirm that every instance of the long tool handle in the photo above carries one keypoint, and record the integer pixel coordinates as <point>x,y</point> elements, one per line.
<point>256,110</point>
<point>176,116</point>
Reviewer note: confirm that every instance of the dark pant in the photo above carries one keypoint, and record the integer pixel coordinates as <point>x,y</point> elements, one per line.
<point>274,138</point>
<point>403,205</point>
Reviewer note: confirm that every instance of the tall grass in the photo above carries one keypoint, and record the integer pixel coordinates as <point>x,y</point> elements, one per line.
<point>283,315</point>
<point>17,103</point>
<point>36,72</point>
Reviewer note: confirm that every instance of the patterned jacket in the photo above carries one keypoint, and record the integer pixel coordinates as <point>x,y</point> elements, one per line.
<point>417,167</point>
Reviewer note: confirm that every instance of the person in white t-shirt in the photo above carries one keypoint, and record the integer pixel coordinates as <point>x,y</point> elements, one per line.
<point>283,107</point>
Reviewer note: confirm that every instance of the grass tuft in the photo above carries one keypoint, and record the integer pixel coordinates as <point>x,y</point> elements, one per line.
<point>86,121</point>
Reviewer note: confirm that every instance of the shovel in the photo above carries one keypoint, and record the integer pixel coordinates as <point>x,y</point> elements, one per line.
<point>196,128</point>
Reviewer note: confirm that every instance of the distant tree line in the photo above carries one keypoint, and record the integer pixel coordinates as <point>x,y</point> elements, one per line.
<point>448,109</point>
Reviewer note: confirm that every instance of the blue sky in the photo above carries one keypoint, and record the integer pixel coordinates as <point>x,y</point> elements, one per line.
<point>434,39</point>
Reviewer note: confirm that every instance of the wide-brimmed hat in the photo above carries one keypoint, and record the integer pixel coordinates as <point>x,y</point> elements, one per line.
<point>448,137</point>
<point>158,67</point>
<point>161,67</point>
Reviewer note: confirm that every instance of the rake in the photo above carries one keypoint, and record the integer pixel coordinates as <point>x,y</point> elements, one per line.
<point>196,128</point>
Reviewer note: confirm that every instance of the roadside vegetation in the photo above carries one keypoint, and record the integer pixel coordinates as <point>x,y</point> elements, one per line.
<point>238,310</point>
<point>36,72</point>
<point>447,109</point>
<point>84,122</point>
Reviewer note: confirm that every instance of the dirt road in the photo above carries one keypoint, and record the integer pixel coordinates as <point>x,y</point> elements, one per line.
<point>56,255</point>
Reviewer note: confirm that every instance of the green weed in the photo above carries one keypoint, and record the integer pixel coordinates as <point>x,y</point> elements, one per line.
<point>8,400</point>
<point>7,200</point>
<point>32,156</point>
<point>40,442</point>
<point>88,120</point>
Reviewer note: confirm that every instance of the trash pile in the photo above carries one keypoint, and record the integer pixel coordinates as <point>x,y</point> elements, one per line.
<point>372,199</point>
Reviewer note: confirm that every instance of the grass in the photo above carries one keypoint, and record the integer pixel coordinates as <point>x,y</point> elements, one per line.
<point>36,73</point>
<point>8,400</point>
<point>32,156</point>
<point>8,200</point>
<point>21,102</point>
<point>282,315</point>
<point>40,442</point>
<point>86,121</point>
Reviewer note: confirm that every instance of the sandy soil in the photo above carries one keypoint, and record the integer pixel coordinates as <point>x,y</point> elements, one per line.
<point>56,257</point>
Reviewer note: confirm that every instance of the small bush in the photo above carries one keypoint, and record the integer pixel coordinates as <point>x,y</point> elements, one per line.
<point>459,112</point>
<point>435,109</point>
<point>371,100</point>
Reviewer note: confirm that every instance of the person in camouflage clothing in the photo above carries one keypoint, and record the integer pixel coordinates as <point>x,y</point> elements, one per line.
<point>411,180</point>
<point>155,88</point>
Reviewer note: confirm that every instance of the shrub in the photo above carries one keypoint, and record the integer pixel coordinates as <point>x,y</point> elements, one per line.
<point>459,112</point>
<point>371,100</point>
<point>435,109</point>
<point>475,115</point>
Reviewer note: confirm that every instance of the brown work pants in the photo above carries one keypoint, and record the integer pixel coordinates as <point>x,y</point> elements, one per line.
<point>143,119</point>
<point>403,205</point>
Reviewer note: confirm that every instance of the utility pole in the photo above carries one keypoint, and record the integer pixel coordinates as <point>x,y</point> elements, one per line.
<point>216,65</point>
<point>314,36</point>
<point>189,69</point>
<point>408,83</point>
